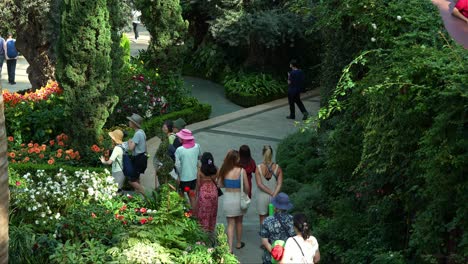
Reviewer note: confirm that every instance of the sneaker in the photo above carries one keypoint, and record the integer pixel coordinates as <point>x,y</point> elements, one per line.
<point>290,117</point>
<point>306,115</point>
<point>12,83</point>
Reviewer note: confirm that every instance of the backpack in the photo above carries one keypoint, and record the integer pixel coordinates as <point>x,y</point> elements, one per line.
<point>11,49</point>
<point>128,169</point>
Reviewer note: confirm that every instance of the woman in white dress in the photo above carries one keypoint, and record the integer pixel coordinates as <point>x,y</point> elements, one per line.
<point>269,178</point>
<point>302,248</point>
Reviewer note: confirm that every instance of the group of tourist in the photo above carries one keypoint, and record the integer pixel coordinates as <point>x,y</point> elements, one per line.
<point>9,53</point>
<point>200,180</point>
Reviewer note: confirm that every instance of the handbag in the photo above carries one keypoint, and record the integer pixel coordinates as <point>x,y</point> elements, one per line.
<point>244,198</point>
<point>220,192</point>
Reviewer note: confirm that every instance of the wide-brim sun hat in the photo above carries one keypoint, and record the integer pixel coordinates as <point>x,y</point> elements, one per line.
<point>136,119</point>
<point>179,123</point>
<point>281,201</point>
<point>117,135</point>
<point>185,134</point>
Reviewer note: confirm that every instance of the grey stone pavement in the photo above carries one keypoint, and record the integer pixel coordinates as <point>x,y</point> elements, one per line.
<point>229,127</point>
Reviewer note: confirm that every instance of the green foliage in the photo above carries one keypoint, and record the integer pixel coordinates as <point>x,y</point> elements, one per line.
<point>146,92</point>
<point>389,154</point>
<point>90,251</point>
<point>23,168</point>
<point>36,120</point>
<point>193,112</point>
<point>348,27</point>
<point>253,88</point>
<point>84,68</point>
<point>89,222</point>
<point>21,242</point>
<point>268,28</point>
<point>163,19</point>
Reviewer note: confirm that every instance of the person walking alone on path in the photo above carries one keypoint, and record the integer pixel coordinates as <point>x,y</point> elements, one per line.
<point>295,86</point>
<point>269,178</point>
<point>2,54</point>
<point>302,248</point>
<point>248,164</point>
<point>207,193</point>
<point>229,177</point>
<point>11,55</point>
<point>135,21</point>
<point>138,147</point>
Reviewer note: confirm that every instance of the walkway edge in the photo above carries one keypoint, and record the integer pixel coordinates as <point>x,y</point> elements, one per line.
<point>216,121</point>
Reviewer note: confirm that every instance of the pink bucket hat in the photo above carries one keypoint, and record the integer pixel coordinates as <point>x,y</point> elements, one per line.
<point>187,138</point>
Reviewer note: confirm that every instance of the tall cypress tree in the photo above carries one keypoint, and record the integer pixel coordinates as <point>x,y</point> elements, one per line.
<point>84,67</point>
<point>163,20</point>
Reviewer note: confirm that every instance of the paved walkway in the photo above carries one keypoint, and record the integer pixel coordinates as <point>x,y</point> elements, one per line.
<point>457,29</point>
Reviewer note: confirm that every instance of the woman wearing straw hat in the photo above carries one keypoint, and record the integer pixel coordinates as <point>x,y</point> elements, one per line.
<point>117,153</point>
<point>138,147</point>
<point>186,163</point>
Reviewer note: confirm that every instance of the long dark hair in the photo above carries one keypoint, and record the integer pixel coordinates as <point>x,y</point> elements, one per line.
<point>169,124</point>
<point>300,223</point>
<point>230,162</point>
<point>244,155</point>
<point>207,164</point>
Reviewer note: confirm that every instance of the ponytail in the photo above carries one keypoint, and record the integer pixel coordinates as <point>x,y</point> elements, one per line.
<point>300,222</point>
<point>267,154</point>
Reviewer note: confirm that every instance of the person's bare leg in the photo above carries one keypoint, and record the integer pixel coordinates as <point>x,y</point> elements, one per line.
<point>239,230</point>
<point>137,186</point>
<point>456,13</point>
<point>231,221</point>
<point>262,218</point>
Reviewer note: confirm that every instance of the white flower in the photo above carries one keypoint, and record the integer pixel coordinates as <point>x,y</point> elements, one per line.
<point>43,214</point>
<point>57,216</point>
<point>36,222</point>
<point>90,191</point>
<point>374,25</point>
<point>54,235</point>
<point>373,39</point>
<point>398,18</point>
<point>34,208</point>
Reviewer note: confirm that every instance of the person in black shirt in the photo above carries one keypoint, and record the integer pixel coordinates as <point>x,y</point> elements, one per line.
<point>295,86</point>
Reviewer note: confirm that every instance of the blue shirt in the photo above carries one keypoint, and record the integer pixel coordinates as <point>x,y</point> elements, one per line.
<point>232,183</point>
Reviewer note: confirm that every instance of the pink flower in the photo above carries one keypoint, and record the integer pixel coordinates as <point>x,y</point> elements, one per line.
<point>93,215</point>
<point>143,210</point>
<point>18,183</point>
<point>143,221</point>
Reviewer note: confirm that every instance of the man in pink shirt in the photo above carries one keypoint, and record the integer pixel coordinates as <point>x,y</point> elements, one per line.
<point>461,10</point>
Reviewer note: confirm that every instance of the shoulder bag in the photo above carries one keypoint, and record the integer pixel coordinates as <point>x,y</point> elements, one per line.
<point>244,198</point>
<point>220,192</point>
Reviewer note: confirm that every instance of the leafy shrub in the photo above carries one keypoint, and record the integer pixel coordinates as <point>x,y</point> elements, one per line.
<point>42,198</point>
<point>192,113</point>
<point>145,92</point>
<point>35,116</point>
<point>89,251</point>
<point>253,88</point>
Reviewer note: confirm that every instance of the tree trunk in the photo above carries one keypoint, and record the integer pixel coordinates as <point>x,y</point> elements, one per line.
<point>41,65</point>
<point>37,27</point>
<point>4,190</point>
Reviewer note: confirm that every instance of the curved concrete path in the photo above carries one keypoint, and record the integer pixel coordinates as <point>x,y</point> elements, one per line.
<point>457,28</point>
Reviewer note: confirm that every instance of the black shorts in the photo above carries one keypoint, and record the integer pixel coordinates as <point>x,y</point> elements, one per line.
<point>191,184</point>
<point>139,162</point>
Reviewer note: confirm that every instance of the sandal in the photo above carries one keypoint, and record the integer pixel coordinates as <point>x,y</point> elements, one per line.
<point>241,246</point>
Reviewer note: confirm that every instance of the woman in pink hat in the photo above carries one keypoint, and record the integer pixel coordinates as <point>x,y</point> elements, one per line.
<point>186,163</point>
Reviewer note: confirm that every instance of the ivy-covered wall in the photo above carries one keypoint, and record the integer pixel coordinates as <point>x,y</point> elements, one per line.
<point>382,173</point>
